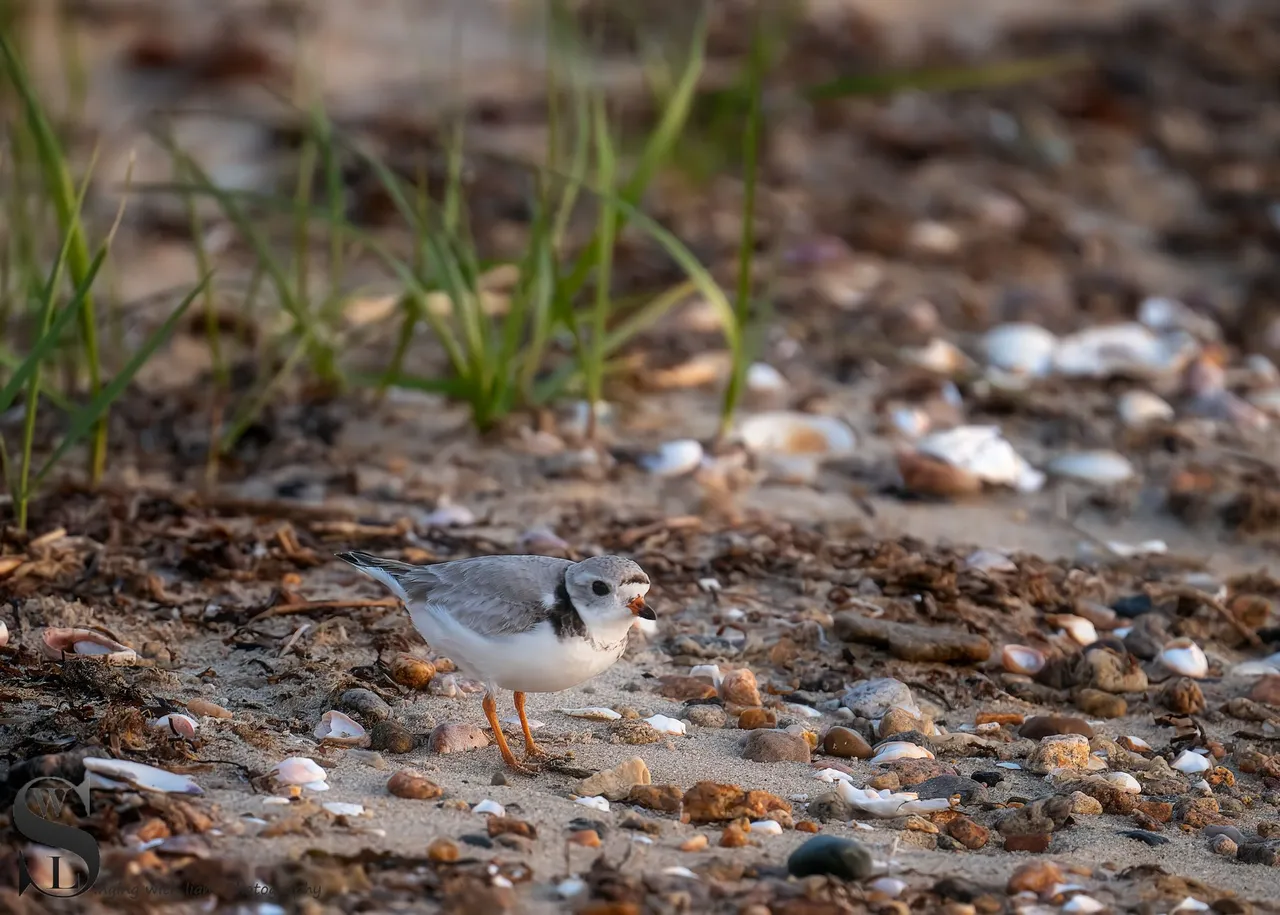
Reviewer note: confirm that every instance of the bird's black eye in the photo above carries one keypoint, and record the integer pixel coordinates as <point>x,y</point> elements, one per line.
<point>600,587</point>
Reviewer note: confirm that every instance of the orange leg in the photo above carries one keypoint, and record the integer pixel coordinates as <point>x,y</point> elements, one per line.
<point>491,712</point>
<point>531,749</point>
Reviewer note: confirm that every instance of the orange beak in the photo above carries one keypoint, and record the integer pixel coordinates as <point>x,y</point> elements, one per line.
<point>638,608</point>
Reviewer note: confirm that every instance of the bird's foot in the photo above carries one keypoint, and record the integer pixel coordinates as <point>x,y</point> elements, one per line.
<point>526,768</point>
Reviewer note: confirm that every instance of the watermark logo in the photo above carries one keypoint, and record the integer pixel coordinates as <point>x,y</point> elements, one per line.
<point>36,811</point>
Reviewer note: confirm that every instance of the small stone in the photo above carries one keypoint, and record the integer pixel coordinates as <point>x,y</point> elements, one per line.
<point>1223,845</point>
<point>969,790</point>
<point>1035,843</point>
<point>1231,832</point>
<point>452,737</point>
<point>1101,705</point>
<point>695,843</point>
<point>888,781</point>
<point>510,826</point>
<point>587,838</point>
<point>739,688</point>
<point>366,703</point>
<point>1198,812</point>
<point>1268,829</point>
<point>912,772</point>
<point>900,721</point>
<point>1108,671</point>
<point>1266,691</point>
<point>913,642</point>
<point>616,783</point>
<point>916,823</point>
<point>875,697</point>
<point>203,708</point>
<point>706,716</point>
<point>776,746</point>
<point>836,856</point>
<point>968,833</point>
<point>1067,751</point>
<point>1183,696</point>
<point>683,689</point>
<point>1041,726</point>
<point>633,733</point>
<point>711,802</point>
<point>846,743</point>
<point>443,851</point>
<point>734,836</point>
<point>390,735</point>
<point>1083,805</point>
<point>414,785</point>
<point>412,672</point>
<point>830,806</point>
<point>1159,811</point>
<point>1265,853</point>
<point>664,798</point>
<point>1036,877</point>
<point>755,718</point>
<point>808,826</point>
<point>1038,818</point>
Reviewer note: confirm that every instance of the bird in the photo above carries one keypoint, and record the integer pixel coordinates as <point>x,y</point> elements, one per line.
<point>527,623</point>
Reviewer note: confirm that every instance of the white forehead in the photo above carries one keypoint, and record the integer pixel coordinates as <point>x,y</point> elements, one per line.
<point>632,589</point>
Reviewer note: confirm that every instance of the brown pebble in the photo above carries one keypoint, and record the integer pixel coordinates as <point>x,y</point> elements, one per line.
<point>587,838</point>
<point>414,785</point>
<point>1266,691</point>
<point>663,798</point>
<point>443,850</point>
<point>1160,811</point>
<point>968,833</point>
<point>1035,877</point>
<point>734,836</point>
<point>1101,705</point>
<point>846,743</point>
<point>710,802</point>
<point>391,736</point>
<point>754,718</point>
<point>412,672</point>
<point>1223,845</point>
<point>1182,696</point>
<point>1001,718</point>
<point>1033,843</point>
<point>739,688</point>
<point>684,689</point>
<point>510,826</point>
<point>203,708</point>
<point>889,780</point>
<point>1142,821</point>
<point>455,737</point>
<point>694,843</point>
<point>1042,726</point>
<point>764,746</point>
<point>808,826</point>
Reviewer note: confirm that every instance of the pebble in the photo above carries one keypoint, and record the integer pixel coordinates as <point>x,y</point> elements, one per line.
<point>738,687</point>
<point>203,708</point>
<point>912,642</point>
<point>1231,832</point>
<point>1265,853</point>
<point>587,838</point>
<point>900,721</point>
<point>616,783</point>
<point>968,833</point>
<point>1101,705</point>
<point>1038,818</point>
<point>684,689</point>
<point>367,703</point>
<point>1042,726</point>
<point>706,716</point>
<point>1036,877</point>
<point>412,672</point>
<point>970,791</point>
<point>1070,751</point>
<point>1084,805</point>
<point>595,803</point>
<point>1223,845</point>
<point>836,856</point>
<point>846,743</point>
<point>755,718</point>
<point>664,798</point>
<point>1183,696</point>
<point>1112,673</point>
<point>875,697</point>
<point>776,746</point>
<point>392,736</point>
<point>443,851</point>
<point>414,785</point>
<point>633,732</point>
<point>453,737</point>
<point>488,806</point>
<point>712,802</point>
<point>695,843</point>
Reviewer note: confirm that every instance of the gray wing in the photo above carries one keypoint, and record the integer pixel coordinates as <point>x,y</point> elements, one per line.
<point>490,595</point>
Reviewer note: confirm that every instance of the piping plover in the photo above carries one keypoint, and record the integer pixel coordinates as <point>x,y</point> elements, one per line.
<point>530,624</point>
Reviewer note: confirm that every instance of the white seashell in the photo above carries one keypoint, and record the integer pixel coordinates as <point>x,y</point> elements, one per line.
<point>1191,763</point>
<point>1138,409</point>
<point>514,722</point>
<point>1142,548</point>
<point>142,776</point>
<point>938,356</point>
<point>789,433</point>
<point>1165,314</point>
<point>763,378</point>
<point>57,643</point>
<point>1022,659</point>
<point>1261,668</point>
<point>1095,763</point>
<point>592,713</point>
<point>341,730</point>
<point>1189,904</point>
<point>641,840</point>
<point>678,871</point>
<point>887,804</point>
<point>299,770</point>
<point>1080,629</point>
<point>766,827</point>
<point>1020,348</point>
<point>990,561</point>
<point>865,827</point>
<point>1124,781</point>
<point>343,809</point>
<point>833,775</point>
<point>1105,468</point>
<point>898,749</point>
<point>1138,744</point>
<point>1185,657</point>
<point>567,889</point>
<point>673,459</point>
<point>1086,905</point>
<point>498,881</point>
<point>890,886</point>
<point>595,803</point>
<point>711,586</point>
<point>449,515</point>
<point>181,725</point>
<point>1127,349</point>
<point>664,725</point>
<point>275,801</point>
<point>708,670</point>
<point>983,452</point>
<point>488,806</point>
<point>1008,765</point>
<point>4,633</point>
<point>801,711</point>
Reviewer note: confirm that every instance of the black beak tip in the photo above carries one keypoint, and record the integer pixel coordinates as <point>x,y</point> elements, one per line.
<point>648,614</point>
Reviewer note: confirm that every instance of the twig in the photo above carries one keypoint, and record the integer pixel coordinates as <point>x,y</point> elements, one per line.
<point>389,603</point>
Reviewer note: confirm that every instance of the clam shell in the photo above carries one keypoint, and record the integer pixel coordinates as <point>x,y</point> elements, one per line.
<point>591,713</point>
<point>299,770</point>
<point>1185,657</point>
<point>1022,659</point>
<point>1134,744</point>
<point>1138,409</point>
<point>707,670</point>
<point>141,776</point>
<point>785,432</point>
<point>1080,629</point>
<point>341,730</point>
<point>898,749</point>
<point>1124,781</point>
<point>664,725</point>
<point>1129,350</point>
<point>1083,905</point>
<point>1191,763</point>
<point>595,803</point>
<point>1020,348</point>
<point>983,452</point>
<point>888,804</point>
<point>890,886</point>
<point>1105,468</point>
<point>673,459</point>
<point>763,378</point>
<point>489,806</point>
<point>832,775</point>
<point>343,809</point>
<point>58,643</point>
<point>180,725</point>
<point>766,828</point>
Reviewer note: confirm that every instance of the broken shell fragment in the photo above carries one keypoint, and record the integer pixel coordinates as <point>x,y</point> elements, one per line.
<point>1139,408</point>
<point>1020,348</point>
<point>1080,629</point>
<point>299,770</point>
<point>673,459</point>
<point>591,713</point>
<point>1104,468</point>
<point>107,771</point>
<point>664,725</point>
<point>1129,350</point>
<point>4,634</point>
<point>183,726</point>
<point>784,432</point>
<point>341,730</point>
<point>1191,763</point>
<point>983,452</point>
<point>1185,657</point>
<point>898,749</point>
<point>887,804</point>
<point>489,806</point>
<point>58,643</point>
<point>1022,659</point>
<point>1124,781</point>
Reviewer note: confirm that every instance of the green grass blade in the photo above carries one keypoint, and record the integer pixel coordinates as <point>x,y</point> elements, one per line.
<point>947,79</point>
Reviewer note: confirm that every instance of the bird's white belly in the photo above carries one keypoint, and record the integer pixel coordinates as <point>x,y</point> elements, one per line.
<point>530,662</point>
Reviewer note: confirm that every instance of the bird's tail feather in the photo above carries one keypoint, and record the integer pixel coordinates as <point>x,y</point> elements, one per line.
<point>386,571</point>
